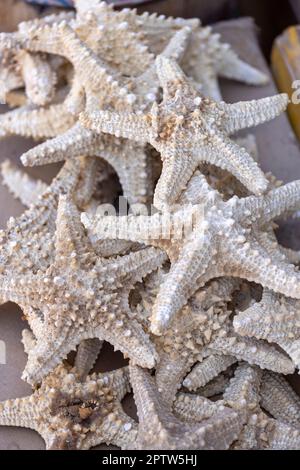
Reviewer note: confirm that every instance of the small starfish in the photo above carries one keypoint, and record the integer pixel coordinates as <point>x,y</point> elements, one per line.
<point>276,319</point>
<point>74,413</point>
<point>207,238</point>
<point>188,129</point>
<point>159,428</point>
<point>88,288</point>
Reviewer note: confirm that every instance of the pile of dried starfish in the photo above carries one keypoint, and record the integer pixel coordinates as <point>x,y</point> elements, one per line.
<point>198,294</point>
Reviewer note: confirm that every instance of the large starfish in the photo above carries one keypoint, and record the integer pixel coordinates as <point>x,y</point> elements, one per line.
<point>208,237</point>
<point>73,411</point>
<point>80,298</point>
<point>188,129</point>
<point>159,428</point>
<point>276,319</point>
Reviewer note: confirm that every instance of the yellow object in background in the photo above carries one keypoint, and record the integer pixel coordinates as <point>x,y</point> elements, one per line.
<point>285,60</point>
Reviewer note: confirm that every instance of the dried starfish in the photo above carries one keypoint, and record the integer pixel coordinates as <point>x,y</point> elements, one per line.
<point>188,129</point>
<point>207,370</point>
<point>276,319</point>
<point>160,429</point>
<point>71,413</point>
<point>206,57</point>
<point>243,394</point>
<point>88,288</point>
<point>208,238</point>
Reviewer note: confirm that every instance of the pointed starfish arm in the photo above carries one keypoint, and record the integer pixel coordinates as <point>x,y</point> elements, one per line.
<point>39,78</point>
<point>252,113</point>
<point>169,374</point>
<point>87,354</point>
<point>129,125</point>
<point>169,72</point>
<point>177,45</point>
<point>279,399</point>
<point>19,412</point>
<point>277,202</point>
<point>250,261</point>
<point>195,408</point>
<point>244,387</point>
<point>229,156</point>
<point>21,185</point>
<point>233,67</point>
<point>254,352</point>
<point>74,142</point>
<point>208,369</point>
<point>190,272</point>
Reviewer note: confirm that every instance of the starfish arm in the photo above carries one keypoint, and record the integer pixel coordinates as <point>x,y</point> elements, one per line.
<point>208,369</point>
<point>244,387</point>
<point>215,387</point>
<point>178,44</point>
<point>190,272</point>
<point>159,428</point>
<point>246,114</point>
<point>254,352</point>
<point>169,73</point>
<point>21,185</point>
<point>86,187</point>
<point>119,380</point>
<point>19,412</point>
<point>229,156</point>
<point>128,125</point>
<point>74,142</point>
<point>195,408</point>
<point>250,261</point>
<point>87,354</point>
<point>39,78</point>
<point>283,436</point>
<point>279,399</point>
<point>170,372</point>
<point>37,123</point>
<point>292,348</point>
<point>232,67</point>
<point>141,229</point>
<point>136,265</point>
<point>10,80</point>
<point>274,204</point>
<point>116,429</point>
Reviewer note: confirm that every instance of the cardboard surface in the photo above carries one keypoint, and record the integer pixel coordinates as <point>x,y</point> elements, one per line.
<point>279,152</point>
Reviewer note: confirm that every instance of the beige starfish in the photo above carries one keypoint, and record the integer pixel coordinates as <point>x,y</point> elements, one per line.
<point>188,129</point>
<point>88,289</point>
<point>70,412</point>
<point>206,57</point>
<point>276,319</point>
<point>207,238</point>
<point>159,428</point>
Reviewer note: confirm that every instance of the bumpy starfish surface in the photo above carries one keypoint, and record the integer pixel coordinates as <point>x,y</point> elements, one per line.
<point>207,238</point>
<point>260,431</point>
<point>188,129</point>
<point>80,298</point>
<point>71,412</point>
<point>159,428</point>
<point>202,327</point>
<point>276,319</point>
<point>206,57</point>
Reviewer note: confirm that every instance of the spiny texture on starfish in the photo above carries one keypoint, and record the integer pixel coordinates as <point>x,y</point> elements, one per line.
<point>80,297</point>
<point>244,394</point>
<point>276,319</point>
<point>159,428</point>
<point>188,129</point>
<point>207,238</point>
<point>206,57</point>
<point>207,370</point>
<point>71,413</point>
